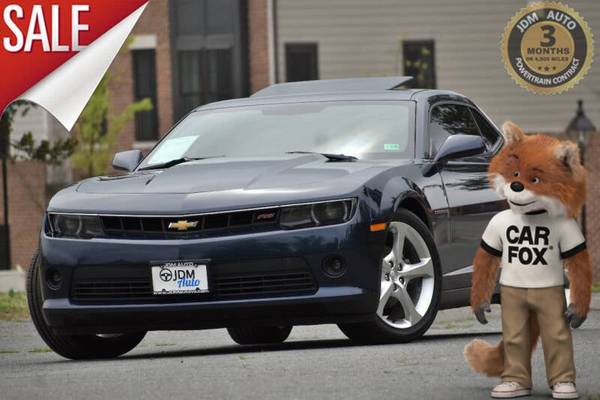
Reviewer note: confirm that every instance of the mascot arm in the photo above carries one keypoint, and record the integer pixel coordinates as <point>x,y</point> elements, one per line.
<point>485,272</point>
<point>579,271</point>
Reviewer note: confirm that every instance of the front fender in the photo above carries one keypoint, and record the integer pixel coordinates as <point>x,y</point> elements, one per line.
<point>387,192</point>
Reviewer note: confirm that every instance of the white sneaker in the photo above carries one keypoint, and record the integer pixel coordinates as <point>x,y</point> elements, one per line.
<point>509,390</point>
<point>564,390</point>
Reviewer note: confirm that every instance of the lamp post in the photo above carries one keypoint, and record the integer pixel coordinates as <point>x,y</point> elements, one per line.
<point>579,129</point>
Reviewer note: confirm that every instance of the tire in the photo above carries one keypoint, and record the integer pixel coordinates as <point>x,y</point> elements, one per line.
<point>392,322</point>
<point>259,334</point>
<point>75,347</point>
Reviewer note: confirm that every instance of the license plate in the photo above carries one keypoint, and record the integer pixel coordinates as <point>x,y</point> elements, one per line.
<point>179,277</point>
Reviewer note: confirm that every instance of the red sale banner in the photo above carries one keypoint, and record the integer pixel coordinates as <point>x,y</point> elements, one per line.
<point>54,53</point>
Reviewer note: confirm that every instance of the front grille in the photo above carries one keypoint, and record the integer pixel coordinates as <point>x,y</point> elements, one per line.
<point>111,289</point>
<point>193,225</point>
<point>127,284</point>
<point>262,283</point>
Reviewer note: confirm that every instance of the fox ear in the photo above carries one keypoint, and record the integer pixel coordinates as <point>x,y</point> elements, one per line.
<point>568,154</point>
<point>512,133</point>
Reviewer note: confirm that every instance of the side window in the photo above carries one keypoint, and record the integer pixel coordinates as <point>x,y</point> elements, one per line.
<point>446,120</point>
<point>488,131</point>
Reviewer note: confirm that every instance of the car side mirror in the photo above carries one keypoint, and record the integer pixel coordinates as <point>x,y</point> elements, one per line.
<point>127,160</point>
<point>456,146</point>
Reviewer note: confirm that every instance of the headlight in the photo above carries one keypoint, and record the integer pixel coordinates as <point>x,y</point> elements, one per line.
<point>317,214</point>
<point>326,213</point>
<point>81,226</point>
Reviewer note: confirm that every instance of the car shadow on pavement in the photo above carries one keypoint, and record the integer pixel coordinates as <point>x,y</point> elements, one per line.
<point>292,345</point>
<point>313,344</point>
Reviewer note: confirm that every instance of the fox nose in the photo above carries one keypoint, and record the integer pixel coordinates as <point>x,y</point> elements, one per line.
<point>517,186</point>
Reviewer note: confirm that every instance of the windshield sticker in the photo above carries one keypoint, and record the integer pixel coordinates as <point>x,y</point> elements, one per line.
<point>171,149</point>
<point>391,147</point>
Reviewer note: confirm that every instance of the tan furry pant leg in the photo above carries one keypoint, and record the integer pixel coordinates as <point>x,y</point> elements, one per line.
<point>549,304</point>
<point>516,335</point>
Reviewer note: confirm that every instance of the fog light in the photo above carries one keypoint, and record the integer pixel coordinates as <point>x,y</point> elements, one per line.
<point>334,267</point>
<point>54,279</point>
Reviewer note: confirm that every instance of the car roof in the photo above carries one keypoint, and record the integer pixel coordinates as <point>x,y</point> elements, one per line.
<point>380,88</point>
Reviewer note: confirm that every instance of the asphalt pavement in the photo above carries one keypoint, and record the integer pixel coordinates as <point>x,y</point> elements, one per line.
<point>316,362</point>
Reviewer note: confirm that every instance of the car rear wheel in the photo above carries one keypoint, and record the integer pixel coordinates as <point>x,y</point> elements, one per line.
<point>76,347</point>
<point>410,285</point>
<point>259,334</point>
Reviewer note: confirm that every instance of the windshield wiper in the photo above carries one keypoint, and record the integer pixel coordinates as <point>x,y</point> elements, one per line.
<point>330,157</point>
<point>174,162</point>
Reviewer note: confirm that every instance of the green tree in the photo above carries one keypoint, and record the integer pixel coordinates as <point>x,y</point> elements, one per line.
<point>52,153</point>
<point>97,131</point>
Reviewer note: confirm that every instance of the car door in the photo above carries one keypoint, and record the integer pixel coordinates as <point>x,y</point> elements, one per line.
<point>471,200</point>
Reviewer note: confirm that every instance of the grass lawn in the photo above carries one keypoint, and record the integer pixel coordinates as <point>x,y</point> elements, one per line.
<point>596,288</point>
<point>13,307</point>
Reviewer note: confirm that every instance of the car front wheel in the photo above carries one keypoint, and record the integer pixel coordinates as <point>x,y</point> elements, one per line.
<point>76,347</point>
<point>410,285</point>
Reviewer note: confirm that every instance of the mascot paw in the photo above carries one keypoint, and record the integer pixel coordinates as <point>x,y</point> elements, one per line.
<point>480,312</point>
<point>573,319</point>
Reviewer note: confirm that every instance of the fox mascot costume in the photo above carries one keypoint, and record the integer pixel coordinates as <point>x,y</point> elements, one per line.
<point>533,242</point>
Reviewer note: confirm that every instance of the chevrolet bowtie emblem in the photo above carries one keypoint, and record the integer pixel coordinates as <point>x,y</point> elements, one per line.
<point>183,225</point>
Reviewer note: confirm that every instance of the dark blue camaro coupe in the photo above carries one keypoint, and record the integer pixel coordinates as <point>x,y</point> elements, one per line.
<point>354,202</point>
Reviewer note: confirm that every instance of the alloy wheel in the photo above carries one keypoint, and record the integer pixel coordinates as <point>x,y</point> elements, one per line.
<point>407,278</point>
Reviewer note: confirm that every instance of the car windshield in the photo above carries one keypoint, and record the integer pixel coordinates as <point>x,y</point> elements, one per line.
<point>363,129</point>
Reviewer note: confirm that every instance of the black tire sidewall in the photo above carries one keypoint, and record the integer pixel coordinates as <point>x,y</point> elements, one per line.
<point>72,346</point>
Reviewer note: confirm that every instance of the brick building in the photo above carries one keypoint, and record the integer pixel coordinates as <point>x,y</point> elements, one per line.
<point>187,53</point>
<point>27,203</point>
<point>28,184</point>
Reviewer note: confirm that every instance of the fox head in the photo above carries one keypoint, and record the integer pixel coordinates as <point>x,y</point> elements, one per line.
<point>538,173</point>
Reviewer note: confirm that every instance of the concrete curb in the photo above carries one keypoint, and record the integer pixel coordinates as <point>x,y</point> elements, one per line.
<point>12,279</point>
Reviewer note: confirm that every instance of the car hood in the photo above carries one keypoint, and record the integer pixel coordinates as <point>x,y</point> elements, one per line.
<point>220,184</point>
<point>227,174</point>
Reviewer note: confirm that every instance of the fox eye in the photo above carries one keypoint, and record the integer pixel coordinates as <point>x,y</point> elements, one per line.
<point>535,179</point>
<point>516,174</point>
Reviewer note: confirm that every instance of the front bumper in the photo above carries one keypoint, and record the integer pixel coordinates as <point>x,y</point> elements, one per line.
<point>351,297</point>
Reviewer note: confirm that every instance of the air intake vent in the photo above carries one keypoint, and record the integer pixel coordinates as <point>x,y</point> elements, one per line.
<point>111,289</point>
<point>133,284</point>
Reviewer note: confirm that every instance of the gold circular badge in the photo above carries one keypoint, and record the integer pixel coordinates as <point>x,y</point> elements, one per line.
<point>547,47</point>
